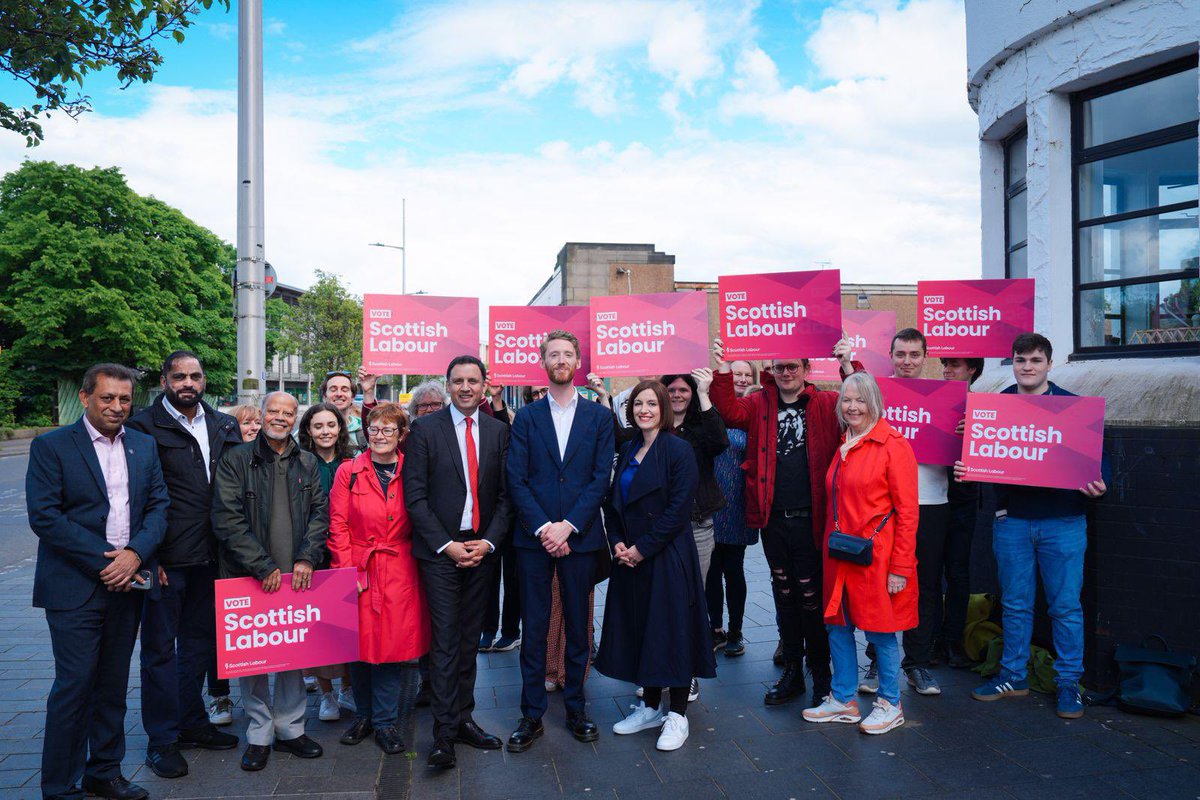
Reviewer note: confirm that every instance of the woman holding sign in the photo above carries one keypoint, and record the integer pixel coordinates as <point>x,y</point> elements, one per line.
<point>655,626</point>
<point>869,555</point>
<point>369,530</point>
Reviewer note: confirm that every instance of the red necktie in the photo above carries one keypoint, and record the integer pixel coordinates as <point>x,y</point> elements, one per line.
<point>473,477</point>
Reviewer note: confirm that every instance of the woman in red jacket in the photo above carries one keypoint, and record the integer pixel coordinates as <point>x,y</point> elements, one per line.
<point>872,491</point>
<point>369,530</point>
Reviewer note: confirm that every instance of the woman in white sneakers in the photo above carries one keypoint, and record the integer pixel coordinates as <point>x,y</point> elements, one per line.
<point>870,562</point>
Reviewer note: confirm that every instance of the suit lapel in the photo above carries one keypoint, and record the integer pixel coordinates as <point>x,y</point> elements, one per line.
<point>133,471</point>
<point>575,438</point>
<point>648,477</point>
<point>88,451</point>
<point>546,428</point>
<point>447,425</point>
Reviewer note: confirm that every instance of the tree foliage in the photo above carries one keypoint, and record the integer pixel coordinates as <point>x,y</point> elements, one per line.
<point>51,45</point>
<point>92,271</point>
<point>325,328</point>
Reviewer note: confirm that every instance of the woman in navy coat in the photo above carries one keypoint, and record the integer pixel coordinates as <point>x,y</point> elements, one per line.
<point>656,629</point>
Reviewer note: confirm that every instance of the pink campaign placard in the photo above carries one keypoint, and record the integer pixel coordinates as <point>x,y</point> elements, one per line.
<point>780,314</point>
<point>515,339</point>
<point>1034,440</point>
<point>417,334</point>
<point>870,334</point>
<point>259,632</point>
<point>926,412</point>
<point>974,319</point>
<point>649,334</point>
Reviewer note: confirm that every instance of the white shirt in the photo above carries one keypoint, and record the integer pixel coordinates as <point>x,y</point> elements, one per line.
<point>115,469</point>
<point>563,417</point>
<point>196,427</point>
<point>460,431</point>
<point>933,481</point>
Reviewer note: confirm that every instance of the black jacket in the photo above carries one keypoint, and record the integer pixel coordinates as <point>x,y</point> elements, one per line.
<point>189,540</point>
<point>435,485</point>
<point>708,438</point>
<point>241,511</point>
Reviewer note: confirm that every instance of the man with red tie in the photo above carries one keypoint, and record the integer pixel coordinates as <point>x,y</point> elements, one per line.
<point>454,489</point>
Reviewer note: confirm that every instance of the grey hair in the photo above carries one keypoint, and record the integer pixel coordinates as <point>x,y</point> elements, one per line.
<point>426,388</point>
<point>267,398</point>
<point>868,390</point>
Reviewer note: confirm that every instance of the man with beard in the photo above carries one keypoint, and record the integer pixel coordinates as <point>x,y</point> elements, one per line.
<point>271,517</point>
<point>558,473</point>
<point>178,627</point>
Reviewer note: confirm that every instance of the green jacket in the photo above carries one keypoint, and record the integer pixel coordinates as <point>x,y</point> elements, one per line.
<point>241,512</point>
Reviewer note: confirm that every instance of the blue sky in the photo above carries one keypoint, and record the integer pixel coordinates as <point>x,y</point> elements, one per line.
<point>740,136</point>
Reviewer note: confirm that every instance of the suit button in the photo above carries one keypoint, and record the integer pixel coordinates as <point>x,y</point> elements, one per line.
<point>561,479</point>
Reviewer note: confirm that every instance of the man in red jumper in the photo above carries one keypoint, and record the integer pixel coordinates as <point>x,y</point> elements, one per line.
<point>793,434</point>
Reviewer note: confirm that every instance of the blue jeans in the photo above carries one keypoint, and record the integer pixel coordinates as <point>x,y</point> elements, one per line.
<point>845,663</point>
<point>377,692</point>
<point>1055,546</point>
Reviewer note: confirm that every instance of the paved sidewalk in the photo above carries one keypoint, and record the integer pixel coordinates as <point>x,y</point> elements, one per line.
<point>951,746</point>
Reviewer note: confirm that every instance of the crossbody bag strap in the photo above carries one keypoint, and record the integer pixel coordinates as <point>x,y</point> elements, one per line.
<point>836,467</point>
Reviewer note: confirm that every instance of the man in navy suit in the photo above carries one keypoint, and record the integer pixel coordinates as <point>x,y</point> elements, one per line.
<point>559,462</point>
<point>98,503</point>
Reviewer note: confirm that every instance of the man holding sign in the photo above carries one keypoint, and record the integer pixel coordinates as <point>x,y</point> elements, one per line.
<point>1039,529</point>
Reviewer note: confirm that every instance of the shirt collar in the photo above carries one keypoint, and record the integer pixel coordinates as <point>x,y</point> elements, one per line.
<point>179,416</point>
<point>554,406</point>
<point>457,416</point>
<point>94,434</point>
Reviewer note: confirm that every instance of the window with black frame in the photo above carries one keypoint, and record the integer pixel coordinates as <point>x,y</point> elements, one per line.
<point>1016,217</point>
<point>1137,224</point>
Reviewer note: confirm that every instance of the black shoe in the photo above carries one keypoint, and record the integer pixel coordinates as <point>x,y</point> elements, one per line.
<point>255,757</point>
<point>361,729</point>
<point>582,728</point>
<point>734,646</point>
<point>442,754</point>
<point>778,657</point>
<point>719,638</point>
<point>957,657</point>
<point>300,747</point>
<point>471,734</point>
<point>523,737</point>
<point>485,642</point>
<point>789,686</point>
<point>389,740</point>
<point>207,737</point>
<point>165,762</point>
<point>117,788</point>
<point>423,695</point>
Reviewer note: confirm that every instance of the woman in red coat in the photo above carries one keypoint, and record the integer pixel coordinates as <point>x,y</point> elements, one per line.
<point>872,491</point>
<point>369,530</point>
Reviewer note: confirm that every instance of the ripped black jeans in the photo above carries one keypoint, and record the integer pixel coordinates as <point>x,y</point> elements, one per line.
<point>795,564</point>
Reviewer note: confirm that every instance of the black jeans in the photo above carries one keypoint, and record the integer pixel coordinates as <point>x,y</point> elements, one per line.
<point>509,624</point>
<point>795,564</point>
<point>728,566</point>
<point>958,569</point>
<point>932,536</point>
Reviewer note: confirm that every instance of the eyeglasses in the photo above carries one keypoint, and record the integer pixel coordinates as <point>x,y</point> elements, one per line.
<point>780,369</point>
<point>430,406</point>
<point>537,393</point>
<point>375,430</point>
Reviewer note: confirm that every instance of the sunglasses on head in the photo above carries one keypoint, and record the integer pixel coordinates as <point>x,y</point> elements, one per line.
<point>336,372</point>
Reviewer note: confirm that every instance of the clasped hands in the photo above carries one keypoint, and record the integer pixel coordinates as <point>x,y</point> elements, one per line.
<point>121,571</point>
<point>628,556</point>
<point>554,538</point>
<point>467,554</point>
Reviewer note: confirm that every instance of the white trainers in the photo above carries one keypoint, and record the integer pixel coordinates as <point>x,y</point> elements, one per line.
<point>833,710</point>
<point>641,691</point>
<point>884,716</point>
<point>220,711</point>
<point>310,684</point>
<point>674,732</point>
<point>345,699</point>
<point>641,719</point>
<point>551,686</point>
<point>329,708</point>
<point>694,691</point>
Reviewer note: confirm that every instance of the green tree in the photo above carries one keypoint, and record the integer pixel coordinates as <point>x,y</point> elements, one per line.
<point>276,312</point>
<point>92,271</point>
<point>325,328</point>
<point>51,45</point>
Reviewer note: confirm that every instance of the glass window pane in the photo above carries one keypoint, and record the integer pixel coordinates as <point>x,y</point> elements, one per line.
<point>1018,263</point>
<point>1150,106</point>
<point>1139,247</point>
<point>1157,176</point>
<point>1017,219</point>
<point>1015,157</point>
<point>1148,313</point>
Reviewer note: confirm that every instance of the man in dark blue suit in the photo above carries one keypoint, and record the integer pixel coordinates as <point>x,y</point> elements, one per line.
<point>559,461</point>
<point>98,503</point>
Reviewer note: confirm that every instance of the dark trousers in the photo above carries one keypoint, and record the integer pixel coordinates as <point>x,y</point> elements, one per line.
<point>959,536</point>
<point>931,554</point>
<point>727,580</point>
<point>576,573</point>
<point>796,569</point>
<point>456,599</point>
<point>510,625</point>
<point>178,643</point>
<point>377,692</point>
<point>85,712</point>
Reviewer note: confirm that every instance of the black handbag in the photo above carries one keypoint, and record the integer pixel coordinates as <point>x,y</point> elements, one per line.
<point>1154,680</point>
<point>848,546</point>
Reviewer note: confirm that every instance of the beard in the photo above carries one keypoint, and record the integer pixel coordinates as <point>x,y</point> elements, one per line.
<point>557,374</point>
<point>183,402</point>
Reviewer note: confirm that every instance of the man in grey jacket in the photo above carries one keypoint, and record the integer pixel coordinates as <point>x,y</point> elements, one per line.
<point>271,517</point>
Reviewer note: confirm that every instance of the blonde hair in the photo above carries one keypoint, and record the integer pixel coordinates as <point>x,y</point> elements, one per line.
<point>245,413</point>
